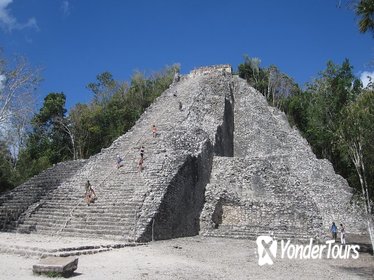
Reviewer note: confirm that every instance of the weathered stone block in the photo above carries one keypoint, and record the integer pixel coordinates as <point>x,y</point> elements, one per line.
<point>63,266</point>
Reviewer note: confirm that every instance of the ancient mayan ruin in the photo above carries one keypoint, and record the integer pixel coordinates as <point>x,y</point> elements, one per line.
<point>224,163</point>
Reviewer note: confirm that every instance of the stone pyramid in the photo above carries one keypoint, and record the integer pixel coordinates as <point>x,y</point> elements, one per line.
<point>224,163</point>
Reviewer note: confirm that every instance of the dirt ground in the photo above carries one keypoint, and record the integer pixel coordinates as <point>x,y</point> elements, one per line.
<point>194,258</point>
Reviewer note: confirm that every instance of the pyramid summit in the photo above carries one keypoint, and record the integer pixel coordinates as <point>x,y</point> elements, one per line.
<point>223,163</point>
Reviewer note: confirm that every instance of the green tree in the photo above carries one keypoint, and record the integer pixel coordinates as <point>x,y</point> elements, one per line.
<point>51,123</point>
<point>271,82</point>
<point>279,87</point>
<point>356,134</point>
<point>53,106</point>
<point>365,10</point>
<point>251,71</point>
<point>78,117</point>
<point>18,81</point>
<point>334,89</point>
<point>296,106</point>
<point>48,143</point>
<point>104,87</point>
<point>6,168</point>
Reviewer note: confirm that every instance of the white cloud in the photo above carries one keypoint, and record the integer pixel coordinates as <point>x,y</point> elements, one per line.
<point>65,7</point>
<point>9,23</point>
<point>366,76</point>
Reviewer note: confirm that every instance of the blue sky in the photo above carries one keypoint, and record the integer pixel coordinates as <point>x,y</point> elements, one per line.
<point>75,40</point>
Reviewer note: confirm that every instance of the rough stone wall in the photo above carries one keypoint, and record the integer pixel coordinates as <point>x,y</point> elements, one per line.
<point>271,134</point>
<point>258,194</point>
<point>274,182</point>
<point>225,133</point>
<point>224,68</point>
<point>179,211</point>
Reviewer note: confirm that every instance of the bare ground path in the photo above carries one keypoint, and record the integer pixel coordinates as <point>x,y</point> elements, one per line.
<point>184,258</point>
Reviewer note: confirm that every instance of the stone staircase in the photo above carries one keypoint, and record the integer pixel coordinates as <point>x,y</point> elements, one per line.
<point>15,202</point>
<point>64,211</point>
<point>158,202</point>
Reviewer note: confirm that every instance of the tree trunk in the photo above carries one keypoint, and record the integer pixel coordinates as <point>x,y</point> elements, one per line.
<point>357,158</point>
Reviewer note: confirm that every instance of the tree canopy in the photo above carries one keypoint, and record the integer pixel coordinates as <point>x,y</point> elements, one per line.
<point>365,12</point>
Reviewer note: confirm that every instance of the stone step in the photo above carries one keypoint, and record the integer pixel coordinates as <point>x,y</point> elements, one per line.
<point>80,213</point>
<point>81,232</point>
<point>103,215</point>
<point>74,221</point>
<point>103,218</point>
<point>100,201</point>
<point>124,221</point>
<point>76,253</point>
<point>120,237</point>
<point>17,208</point>
<point>63,252</point>
<point>95,227</point>
<point>254,232</point>
<point>123,184</point>
<point>19,201</point>
<point>14,208</point>
<point>81,227</point>
<point>253,235</point>
<point>103,191</point>
<point>98,204</point>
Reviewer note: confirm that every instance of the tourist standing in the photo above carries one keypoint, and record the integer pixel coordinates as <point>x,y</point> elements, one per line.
<point>140,164</point>
<point>119,162</point>
<point>342,234</point>
<point>176,77</point>
<point>333,230</point>
<point>154,131</point>
<point>90,195</point>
